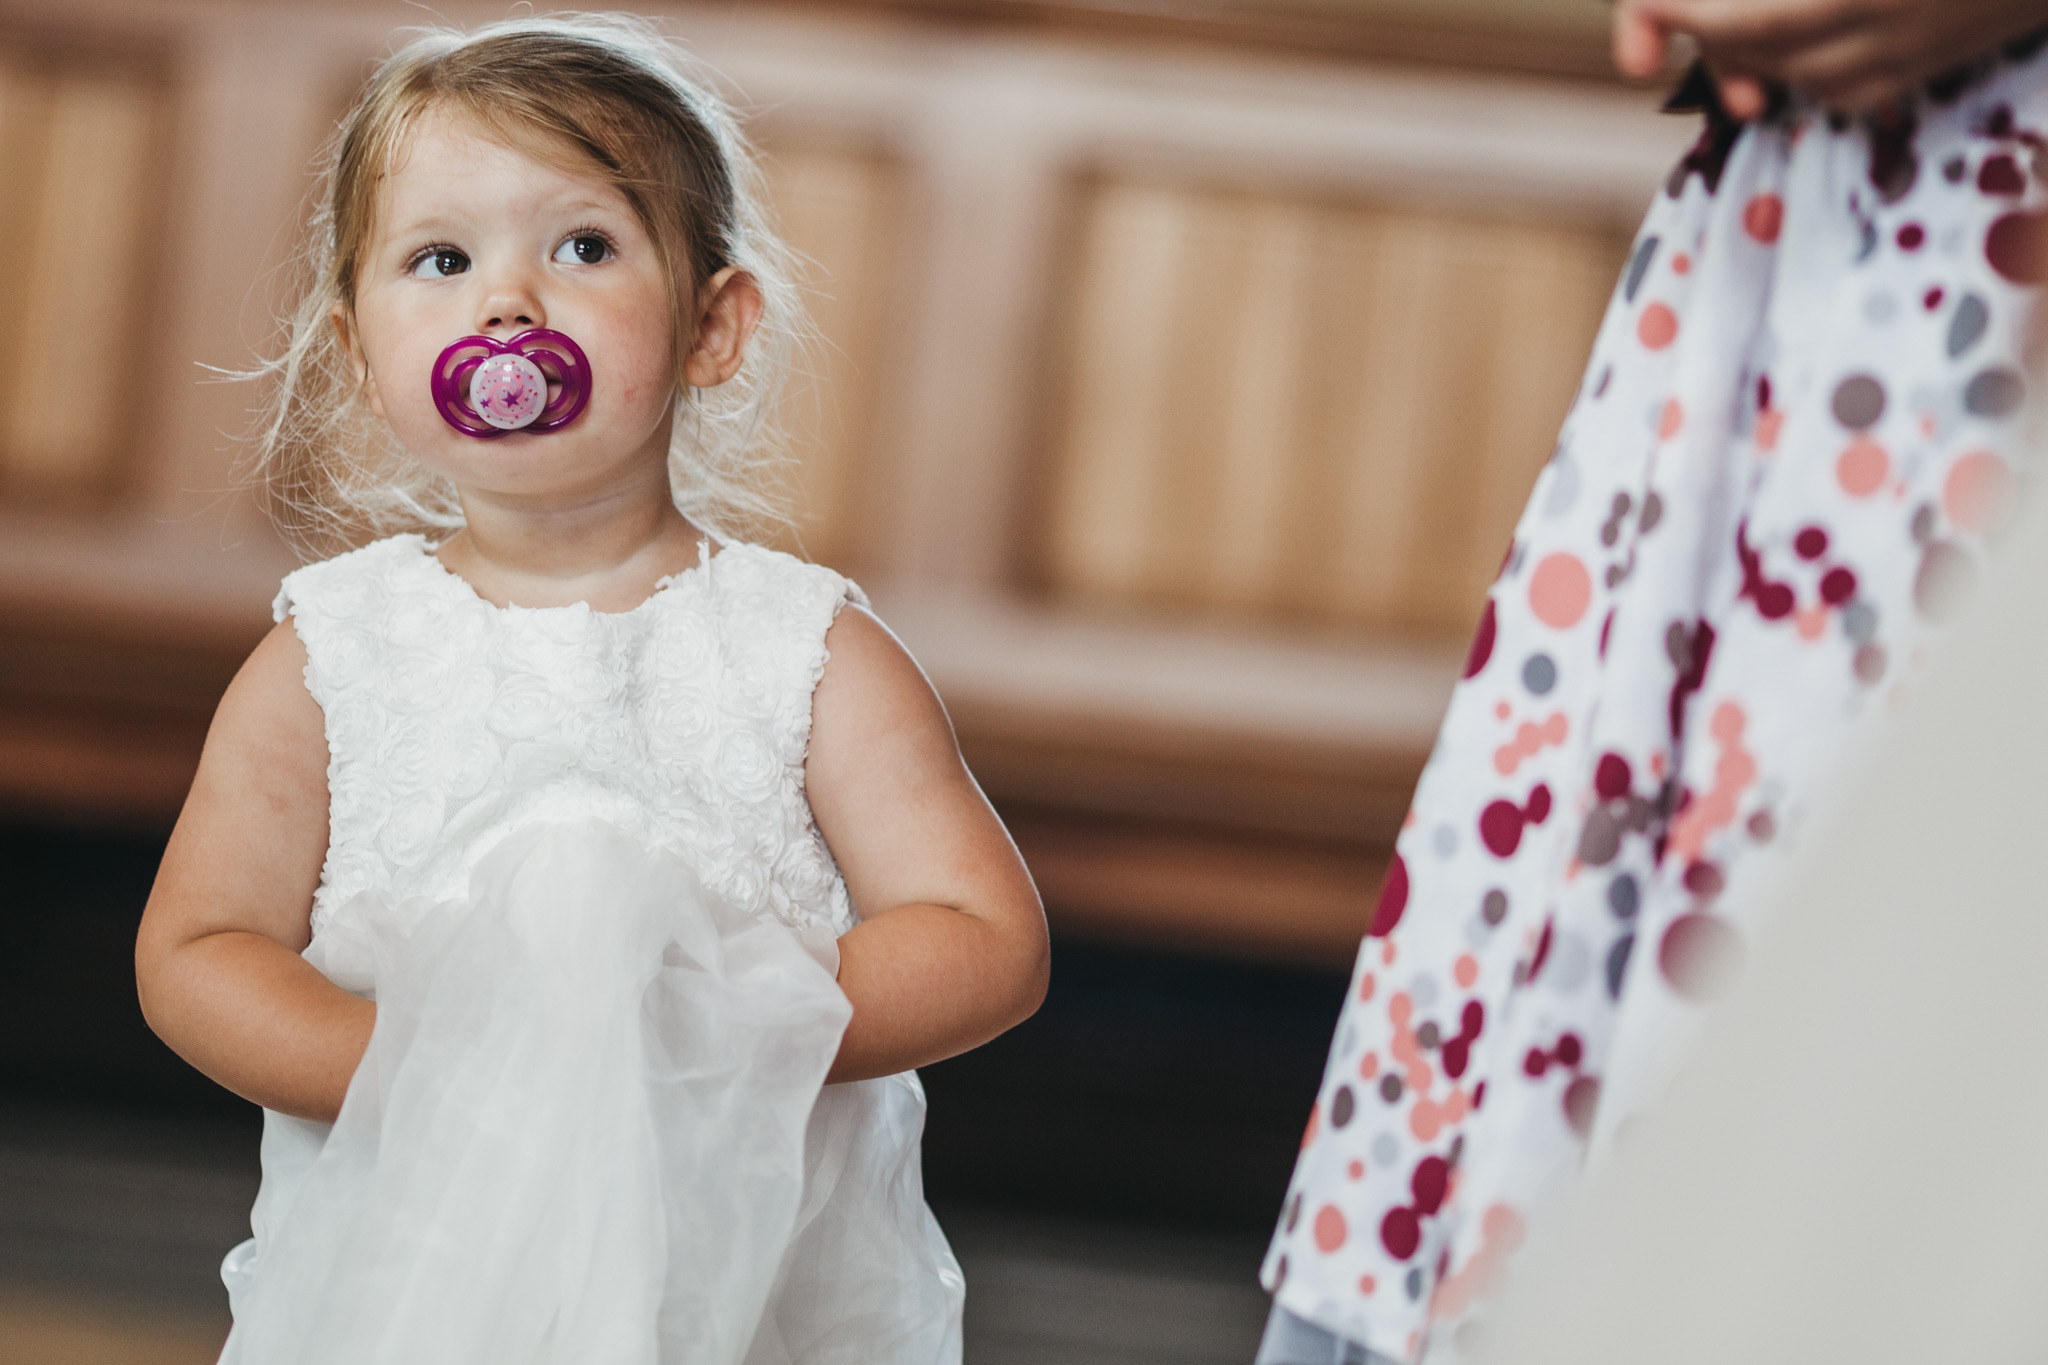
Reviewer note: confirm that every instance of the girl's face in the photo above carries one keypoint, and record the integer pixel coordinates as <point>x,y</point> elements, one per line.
<point>474,238</point>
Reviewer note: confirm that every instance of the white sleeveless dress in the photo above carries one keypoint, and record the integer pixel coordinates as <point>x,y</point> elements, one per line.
<point>571,859</point>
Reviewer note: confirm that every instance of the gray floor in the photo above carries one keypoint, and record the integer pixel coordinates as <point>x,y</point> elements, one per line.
<point>140,1211</point>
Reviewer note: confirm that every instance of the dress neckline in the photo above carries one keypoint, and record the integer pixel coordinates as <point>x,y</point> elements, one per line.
<point>663,587</point>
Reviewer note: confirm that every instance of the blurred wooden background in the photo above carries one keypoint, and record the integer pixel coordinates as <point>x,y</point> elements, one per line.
<point>1185,368</point>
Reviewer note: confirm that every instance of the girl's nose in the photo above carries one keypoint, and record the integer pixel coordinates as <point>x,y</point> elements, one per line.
<point>509,310</point>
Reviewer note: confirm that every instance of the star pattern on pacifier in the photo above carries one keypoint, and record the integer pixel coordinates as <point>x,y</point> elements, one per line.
<point>538,381</point>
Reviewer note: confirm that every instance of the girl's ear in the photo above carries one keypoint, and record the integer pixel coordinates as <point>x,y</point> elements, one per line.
<point>345,333</point>
<point>729,309</point>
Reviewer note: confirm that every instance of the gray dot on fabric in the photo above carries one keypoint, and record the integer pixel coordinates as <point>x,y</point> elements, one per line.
<point>1994,393</point>
<point>1423,989</point>
<point>1600,840</point>
<point>1624,896</point>
<point>1858,402</point>
<point>1493,907</point>
<point>1617,964</point>
<point>1539,673</point>
<point>1923,522</point>
<point>1385,1148</point>
<point>1859,622</point>
<point>1347,1040</point>
<point>1653,512</point>
<point>1390,1088</point>
<point>1880,307</point>
<point>1415,1282</point>
<point>1967,324</point>
<point>1564,486</point>
<point>1444,841</point>
<point>1638,266</point>
<point>1428,1034</point>
<point>1343,1106</point>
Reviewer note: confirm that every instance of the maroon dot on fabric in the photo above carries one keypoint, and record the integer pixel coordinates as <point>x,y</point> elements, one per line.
<point>2014,245</point>
<point>1400,1233</point>
<point>1543,941</point>
<point>1457,1056</point>
<point>1811,543</point>
<point>1536,1063</point>
<point>1570,1050</point>
<point>1700,956</point>
<point>1704,879</point>
<point>1911,237</point>
<point>1612,778</point>
<point>1500,828</point>
<point>2001,175</point>
<point>1482,641</point>
<point>1393,899</point>
<point>1479,1094</point>
<point>1538,809</point>
<point>1432,1177</point>
<point>1931,300</point>
<point>1858,402</point>
<point>1775,601</point>
<point>1472,1021</point>
<point>1582,1104</point>
<point>1837,586</point>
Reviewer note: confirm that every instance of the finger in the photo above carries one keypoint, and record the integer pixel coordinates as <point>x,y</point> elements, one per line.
<point>1744,97</point>
<point>1639,44</point>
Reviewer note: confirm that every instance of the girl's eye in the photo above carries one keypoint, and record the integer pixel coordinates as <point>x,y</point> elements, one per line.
<point>585,248</point>
<point>440,263</point>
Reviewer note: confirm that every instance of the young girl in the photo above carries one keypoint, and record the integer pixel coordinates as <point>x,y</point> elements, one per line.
<point>652,848</point>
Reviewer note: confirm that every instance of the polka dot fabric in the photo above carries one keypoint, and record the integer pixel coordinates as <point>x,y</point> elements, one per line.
<point>1800,433</point>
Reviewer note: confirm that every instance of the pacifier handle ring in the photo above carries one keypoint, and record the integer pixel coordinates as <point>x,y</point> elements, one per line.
<point>555,354</point>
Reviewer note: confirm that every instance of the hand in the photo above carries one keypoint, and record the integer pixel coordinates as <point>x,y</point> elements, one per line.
<point>1851,55</point>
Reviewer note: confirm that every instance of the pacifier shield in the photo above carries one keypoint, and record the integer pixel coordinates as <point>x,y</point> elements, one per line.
<point>485,388</point>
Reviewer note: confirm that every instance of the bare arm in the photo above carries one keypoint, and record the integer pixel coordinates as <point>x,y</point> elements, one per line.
<point>217,960</point>
<point>951,948</point>
<point>1853,55</point>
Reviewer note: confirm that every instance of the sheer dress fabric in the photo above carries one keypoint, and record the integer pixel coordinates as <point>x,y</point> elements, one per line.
<point>1799,436</point>
<point>571,859</point>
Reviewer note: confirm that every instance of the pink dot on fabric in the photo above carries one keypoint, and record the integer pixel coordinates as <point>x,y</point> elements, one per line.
<point>1356,1170</point>
<point>1367,986</point>
<point>1393,899</point>
<point>1366,1284</point>
<point>1425,1120</point>
<point>1560,590</point>
<point>1978,493</point>
<point>1330,1229</point>
<point>1466,970</point>
<point>1862,468</point>
<point>1763,216</point>
<point>1657,327</point>
<point>1700,955</point>
<point>1400,1233</point>
<point>1670,419</point>
<point>1681,264</point>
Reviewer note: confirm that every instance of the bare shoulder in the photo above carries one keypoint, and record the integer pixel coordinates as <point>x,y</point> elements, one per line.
<point>267,707</point>
<point>871,684</point>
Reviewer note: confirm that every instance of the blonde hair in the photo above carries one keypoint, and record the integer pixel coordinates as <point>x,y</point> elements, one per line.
<point>588,92</point>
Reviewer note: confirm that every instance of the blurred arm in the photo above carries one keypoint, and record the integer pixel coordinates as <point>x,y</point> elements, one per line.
<point>1853,55</point>
<point>951,948</point>
<point>217,962</point>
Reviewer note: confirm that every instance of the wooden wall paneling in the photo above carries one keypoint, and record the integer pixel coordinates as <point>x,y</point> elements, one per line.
<point>841,212</point>
<point>1240,366</point>
<point>83,139</point>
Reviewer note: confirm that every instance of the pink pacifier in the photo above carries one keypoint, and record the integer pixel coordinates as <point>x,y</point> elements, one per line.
<point>485,388</point>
